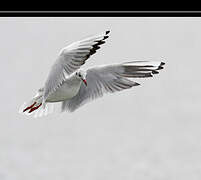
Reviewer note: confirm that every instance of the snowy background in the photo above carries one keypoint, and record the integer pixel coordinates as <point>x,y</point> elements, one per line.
<point>152,131</point>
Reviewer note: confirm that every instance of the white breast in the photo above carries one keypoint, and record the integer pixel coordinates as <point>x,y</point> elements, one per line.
<point>66,91</point>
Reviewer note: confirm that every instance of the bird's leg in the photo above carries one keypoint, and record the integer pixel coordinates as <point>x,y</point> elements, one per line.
<point>29,107</point>
<point>34,108</point>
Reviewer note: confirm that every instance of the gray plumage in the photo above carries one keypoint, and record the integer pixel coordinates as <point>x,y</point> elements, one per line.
<point>70,59</point>
<point>73,87</point>
<point>109,79</point>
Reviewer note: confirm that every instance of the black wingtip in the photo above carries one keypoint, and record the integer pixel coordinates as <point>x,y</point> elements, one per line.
<point>107,32</point>
<point>159,68</point>
<point>162,63</point>
<point>155,72</point>
<point>105,37</point>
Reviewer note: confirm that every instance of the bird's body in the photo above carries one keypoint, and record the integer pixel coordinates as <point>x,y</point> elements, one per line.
<point>68,89</point>
<point>73,87</point>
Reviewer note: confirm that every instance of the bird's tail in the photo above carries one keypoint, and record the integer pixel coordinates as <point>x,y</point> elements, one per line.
<point>35,107</point>
<point>32,105</point>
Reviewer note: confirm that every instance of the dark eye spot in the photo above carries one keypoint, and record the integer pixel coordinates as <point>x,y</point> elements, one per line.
<point>79,75</point>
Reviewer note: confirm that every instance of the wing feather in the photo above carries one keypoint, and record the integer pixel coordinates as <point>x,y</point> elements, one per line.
<point>109,79</point>
<point>70,59</point>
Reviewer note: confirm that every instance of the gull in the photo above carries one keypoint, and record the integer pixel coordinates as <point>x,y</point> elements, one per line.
<point>73,87</point>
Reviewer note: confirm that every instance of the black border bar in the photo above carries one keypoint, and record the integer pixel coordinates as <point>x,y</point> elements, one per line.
<point>100,13</point>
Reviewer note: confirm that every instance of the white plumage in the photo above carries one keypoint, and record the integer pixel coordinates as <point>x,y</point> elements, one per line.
<point>73,87</point>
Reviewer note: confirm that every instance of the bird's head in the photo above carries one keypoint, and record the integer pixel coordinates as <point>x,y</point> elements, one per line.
<point>82,75</point>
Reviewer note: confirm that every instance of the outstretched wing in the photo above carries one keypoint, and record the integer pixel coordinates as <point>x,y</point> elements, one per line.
<point>110,79</point>
<point>70,59</point>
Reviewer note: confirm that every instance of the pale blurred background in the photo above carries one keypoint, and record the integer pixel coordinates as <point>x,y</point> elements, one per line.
<point>152,131</point>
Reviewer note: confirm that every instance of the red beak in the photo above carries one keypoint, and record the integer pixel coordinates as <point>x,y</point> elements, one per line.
<point>85,82</point>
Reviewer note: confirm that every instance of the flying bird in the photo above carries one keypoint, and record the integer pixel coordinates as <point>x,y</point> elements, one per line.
<point>72,86</point>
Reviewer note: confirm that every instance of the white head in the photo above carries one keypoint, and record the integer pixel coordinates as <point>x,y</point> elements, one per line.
<point>81,74</point>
